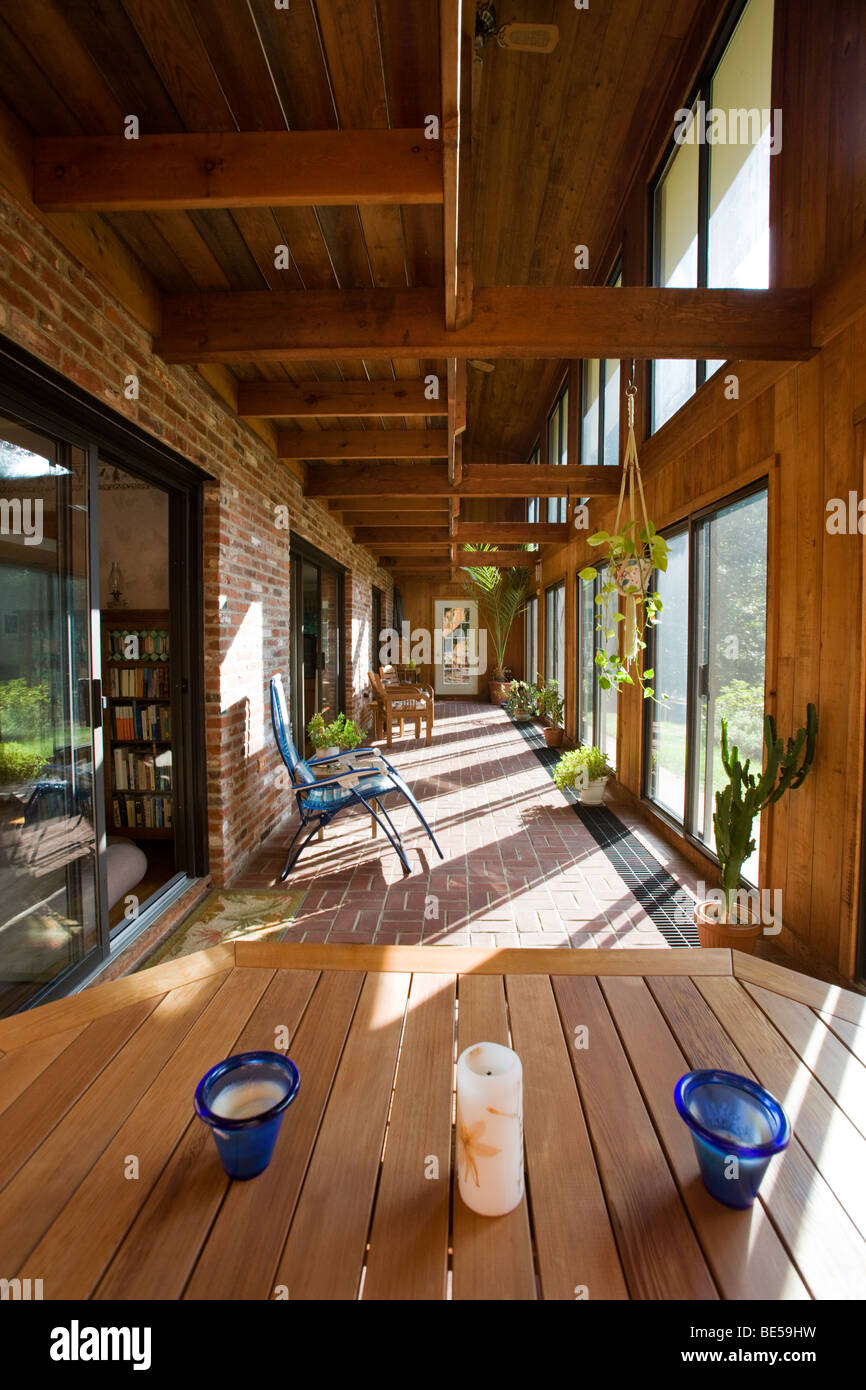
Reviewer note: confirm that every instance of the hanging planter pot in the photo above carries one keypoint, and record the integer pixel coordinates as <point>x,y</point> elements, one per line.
<point>632,577</point>
<point>633,552</point>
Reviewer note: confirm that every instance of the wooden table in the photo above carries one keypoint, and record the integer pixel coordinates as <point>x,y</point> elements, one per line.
<point>111,1188</point>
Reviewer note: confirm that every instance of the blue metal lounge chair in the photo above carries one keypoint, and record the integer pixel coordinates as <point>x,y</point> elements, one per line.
<point>364,784</point>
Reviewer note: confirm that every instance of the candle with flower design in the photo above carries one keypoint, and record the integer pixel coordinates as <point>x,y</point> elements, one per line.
<point>490,1128</point>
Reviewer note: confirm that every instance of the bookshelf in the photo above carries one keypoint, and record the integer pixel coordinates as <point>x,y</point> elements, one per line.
<point>136,665</point>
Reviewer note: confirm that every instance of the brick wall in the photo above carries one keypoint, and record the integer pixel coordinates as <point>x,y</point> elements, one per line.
<point>55,309</point>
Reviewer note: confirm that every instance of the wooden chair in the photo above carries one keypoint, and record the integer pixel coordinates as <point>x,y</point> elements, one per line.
<point>401,702</point>
<point>396,675</point>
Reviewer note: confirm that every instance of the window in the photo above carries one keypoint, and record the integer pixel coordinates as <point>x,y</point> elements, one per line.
<point>666,755</point>
<point>533,504</point>
<point>711,205</point>
<point>708,654</point>
<point>554,635</point>
<point>599,406</point>
<point>557,450</point>
<point>530,640</point>
<point>597,708</point>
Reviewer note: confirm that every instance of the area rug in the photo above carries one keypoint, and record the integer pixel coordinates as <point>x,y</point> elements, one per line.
<point>224,917</point>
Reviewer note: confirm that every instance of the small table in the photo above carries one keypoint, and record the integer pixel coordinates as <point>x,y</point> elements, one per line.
<point>101,1081</point>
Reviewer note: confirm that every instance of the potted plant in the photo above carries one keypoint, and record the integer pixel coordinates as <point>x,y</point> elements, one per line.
<point>586,768</point>
<point>632,555</point>
<point>550,704</point>
<point>500,595</point>
<point>347,733</point>
<point>731,917</point>
<point>322,736</point>
<point>520,703</point>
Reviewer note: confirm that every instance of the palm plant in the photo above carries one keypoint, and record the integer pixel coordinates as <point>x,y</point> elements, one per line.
<point>500,595</point>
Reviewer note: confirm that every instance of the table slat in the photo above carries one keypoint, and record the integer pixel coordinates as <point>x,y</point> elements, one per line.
<point>19,1069</point>
<point>38,1193</point>
<point>492,1258</point>
<point>825,1132</point>
<point>824,1243</point>
<point>159,1250</point>
<point>451,960</point>
<point>31,1118</point>
<point>243,1249</point>
<point>575,1245</point>
<point>408,1256</point>
<point>828,1059</point>
<point>817,993</point>
<point>324,1254</point>
<point>659,1250</point>
<point>744,1252</point>
<point>76,1249</point>
<point>851,1034</point>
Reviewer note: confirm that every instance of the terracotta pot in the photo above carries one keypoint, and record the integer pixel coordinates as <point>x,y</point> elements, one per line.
<point>593,795</point>
<point>712,932</point>
<point>522,716</point>
<point>498,691</point>
<point>553,736</point>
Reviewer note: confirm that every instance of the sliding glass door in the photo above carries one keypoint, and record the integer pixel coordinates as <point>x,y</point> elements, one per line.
<point>317,651</point>
<point>50,753</point>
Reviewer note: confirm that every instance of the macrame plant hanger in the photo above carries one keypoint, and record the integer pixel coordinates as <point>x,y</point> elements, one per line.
<point>632,574</point>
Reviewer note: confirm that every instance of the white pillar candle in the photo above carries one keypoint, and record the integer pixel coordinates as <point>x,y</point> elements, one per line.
<point>490,1128</point>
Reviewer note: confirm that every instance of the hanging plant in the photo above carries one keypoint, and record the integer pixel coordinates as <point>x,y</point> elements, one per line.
<point>634,550</point>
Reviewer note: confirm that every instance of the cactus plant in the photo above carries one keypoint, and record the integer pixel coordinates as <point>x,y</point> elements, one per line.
<point>747,794</point>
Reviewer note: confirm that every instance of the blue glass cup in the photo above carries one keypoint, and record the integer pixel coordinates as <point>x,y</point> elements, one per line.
<point>736,1128</point>
<point>243,1101</point>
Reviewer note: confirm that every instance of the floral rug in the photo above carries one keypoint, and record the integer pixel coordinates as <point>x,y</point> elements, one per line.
<point>243,916</point>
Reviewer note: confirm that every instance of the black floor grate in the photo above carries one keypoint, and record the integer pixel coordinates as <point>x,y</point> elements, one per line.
<point>655,889</point>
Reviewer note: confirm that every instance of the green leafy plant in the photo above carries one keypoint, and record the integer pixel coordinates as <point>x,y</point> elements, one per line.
<point>633,554</point>
<point>500,595</point>
<point>319,733</point>
<point>521,696</point>
<point>548,700</point>
<point>23,709</point>
<point>18,762</point>
<point>576,762</point>
<point>346,734</point>
<point>747,794</point>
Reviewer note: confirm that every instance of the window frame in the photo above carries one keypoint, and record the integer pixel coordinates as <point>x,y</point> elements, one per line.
<point>700,90</point>
<point>534,461</point>
<point>598,644</point>
<point>611,281</point>
<point>559,407</point>
<point>690,523</point>
<point>531,607</point>
<point>551,589</point>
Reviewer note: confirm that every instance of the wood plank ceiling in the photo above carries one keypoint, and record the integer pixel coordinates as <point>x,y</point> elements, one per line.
<point>554,141</point>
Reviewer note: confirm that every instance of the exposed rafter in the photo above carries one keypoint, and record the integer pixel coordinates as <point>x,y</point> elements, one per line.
<point>309,399</point>
<point>249,169</point>
<point>362,444</point>
<point>480,480</point>
<point>502,532</point>
<point>510,321</point>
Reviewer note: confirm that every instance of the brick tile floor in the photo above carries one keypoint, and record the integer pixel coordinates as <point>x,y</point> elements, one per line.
<point>519,867</point>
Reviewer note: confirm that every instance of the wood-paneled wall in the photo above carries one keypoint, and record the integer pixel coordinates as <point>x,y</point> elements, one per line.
<point>804,426</point>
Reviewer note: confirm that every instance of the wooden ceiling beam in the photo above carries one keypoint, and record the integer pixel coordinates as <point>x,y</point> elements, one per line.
<point>422,537</point>
<point>456,35</point>
<point>496,532</point>
<point>309,399</point>
<point>404,520</point>
<point>362,444</point>
<point>236,169</point>
<point>370,506</point>
<point>398,480</point>
<point>510,322</point>
<point>497,559</point>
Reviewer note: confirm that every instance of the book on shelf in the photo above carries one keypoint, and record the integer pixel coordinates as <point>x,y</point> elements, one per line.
<point>142,771</point>
<point>141,682</point>
<point>146,722</point>
<point>142,813</point>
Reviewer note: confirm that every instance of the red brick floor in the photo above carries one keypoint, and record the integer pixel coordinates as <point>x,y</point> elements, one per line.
<point>519,868</point>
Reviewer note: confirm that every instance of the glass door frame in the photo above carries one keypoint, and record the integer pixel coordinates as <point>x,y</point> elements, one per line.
<point>303,550</point>
<point>50,403</point>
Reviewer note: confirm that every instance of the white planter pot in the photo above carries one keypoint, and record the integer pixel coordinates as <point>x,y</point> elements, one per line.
<point>593,794</point>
